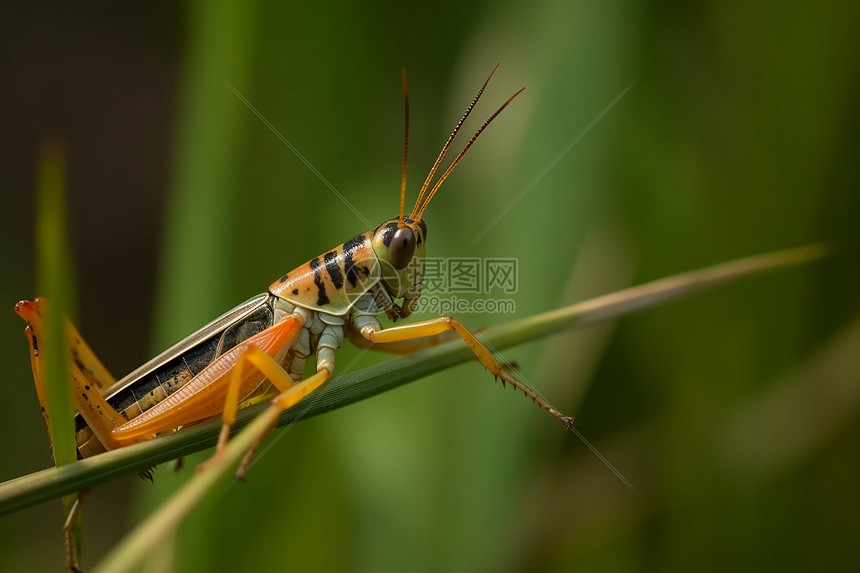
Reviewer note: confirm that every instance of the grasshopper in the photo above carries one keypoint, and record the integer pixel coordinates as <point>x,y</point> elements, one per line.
<point>257,351</point>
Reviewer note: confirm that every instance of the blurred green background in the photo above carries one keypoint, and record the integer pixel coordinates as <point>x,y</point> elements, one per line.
<point>736,413</point>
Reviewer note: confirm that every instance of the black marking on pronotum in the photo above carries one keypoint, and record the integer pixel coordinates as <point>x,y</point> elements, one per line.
<point>295,291</point>
<point>322,297</point>
<point>284,278</point>
<point>349,248</point>
<point>333,270</point>
<point>390,228</point>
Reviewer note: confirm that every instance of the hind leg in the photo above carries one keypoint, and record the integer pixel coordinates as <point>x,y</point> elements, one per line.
<point>90,379</point>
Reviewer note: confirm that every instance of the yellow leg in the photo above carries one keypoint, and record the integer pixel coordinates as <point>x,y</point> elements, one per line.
<point>90,379</point>
<point>282,402</point>
<point>266,365</point>
<point>401,346</point>
<point>80,353</point>
<point>437,326</point>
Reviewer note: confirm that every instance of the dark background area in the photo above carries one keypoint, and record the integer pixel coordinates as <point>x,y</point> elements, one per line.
<point>734,413</point>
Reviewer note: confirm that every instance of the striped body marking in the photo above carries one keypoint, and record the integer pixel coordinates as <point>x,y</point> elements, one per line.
<point>333,282</point>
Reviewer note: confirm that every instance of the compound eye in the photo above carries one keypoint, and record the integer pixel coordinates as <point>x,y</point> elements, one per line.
<point>402,248</point>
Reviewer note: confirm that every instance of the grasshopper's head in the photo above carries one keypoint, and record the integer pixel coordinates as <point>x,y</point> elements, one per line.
<point>400,251</point>
<point>399,243</point>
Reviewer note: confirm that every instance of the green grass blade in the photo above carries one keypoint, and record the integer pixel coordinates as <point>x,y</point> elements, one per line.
<point>354,386</point>
<point>56,284</point>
